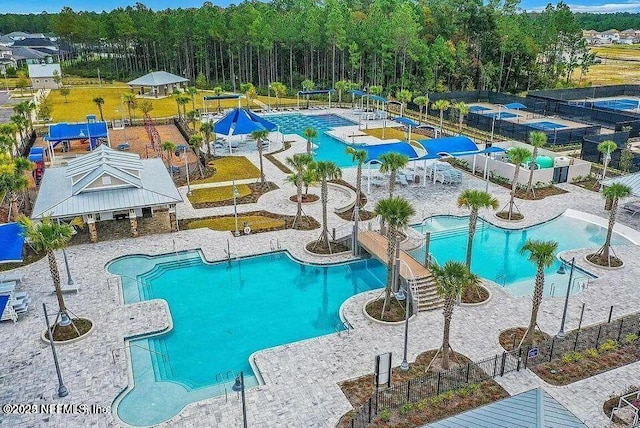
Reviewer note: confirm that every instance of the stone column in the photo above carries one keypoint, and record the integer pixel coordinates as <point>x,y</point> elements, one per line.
<point>93,231</point>
<point>134,223</point>
<point>173,222</point>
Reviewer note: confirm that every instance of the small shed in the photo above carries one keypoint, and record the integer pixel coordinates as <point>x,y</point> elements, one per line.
<point>157,84</point>
<point>43,75</point>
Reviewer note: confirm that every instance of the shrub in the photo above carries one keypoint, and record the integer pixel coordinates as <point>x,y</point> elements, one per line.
<point>609,345</point>
<point>406,408</point>
<point>385,415</point>
<point>631,338</point>
<point>591,353</point>
<point>421,405</point>
<point>572,357</point>
<point>437,400</point>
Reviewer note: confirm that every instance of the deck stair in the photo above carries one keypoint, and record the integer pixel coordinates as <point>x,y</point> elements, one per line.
<point>419,277</point>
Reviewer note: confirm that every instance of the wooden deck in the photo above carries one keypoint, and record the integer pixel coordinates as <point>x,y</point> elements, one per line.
<point>376,245</point>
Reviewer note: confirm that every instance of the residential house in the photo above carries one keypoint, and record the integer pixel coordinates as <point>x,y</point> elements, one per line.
<point>43,75</point>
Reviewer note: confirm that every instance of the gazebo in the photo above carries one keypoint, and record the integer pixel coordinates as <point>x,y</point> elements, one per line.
<point>158,83</point>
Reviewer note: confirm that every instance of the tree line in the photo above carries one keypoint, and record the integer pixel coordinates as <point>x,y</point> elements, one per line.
<point>429,45</point>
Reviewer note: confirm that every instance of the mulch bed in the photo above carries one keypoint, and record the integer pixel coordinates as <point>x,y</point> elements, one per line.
<point>271,158</point>
<point>505,215</point>
<point>320,248</point>
<point>559,372</point>
<point>307,223</point>
<point>394,312</point>
<point>306,198</point>
<point>612,402</point>
<point>514,335</point>
<point>446,404</point>
<point>592,185</point>
<point>257,190</point>
<point>477,294</point>
<point>61,334</point>
<point>540,193</point>
<point>597,259</point>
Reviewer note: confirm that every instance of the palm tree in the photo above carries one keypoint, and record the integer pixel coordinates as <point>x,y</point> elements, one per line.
<point>462,109</point>
<point>26,109</point>
<point>451,281</point>
<point>196,143</point>
<point>404,96</point>
<point>421,101</point>
<point>207,129</point>
<point>614,193</point>
<point>218,91</point>
<point>260,135</point>
<point>192,91</point>
<point>279,89</point>
<point>441,105</point>
<point>99,102</point>
<point>299,162</point>
<point>475,200</point>
<point>517,155</point>
<point>359,156</point>
<point>146,107</point>
<point>8,141</point>
<point>341,86</point>
<point>48,236</point>
<point>396,212</point>
<point>537,139</point>
<point>21,124</point>
<point>131,102</point>
<point>309,177</point>
<point>310,133</point>
<point>606,148</point>
<point>183,100</point>
<point>542,254</point>
<point>192,116</point>
<point>13,181</point>
<point>169,147</point>
<point>325,170</point>
<point>391,163</point>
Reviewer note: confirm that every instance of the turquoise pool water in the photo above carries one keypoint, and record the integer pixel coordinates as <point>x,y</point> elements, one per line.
<point>496,251</point>
<point>329,148</point>
<point>222,313</point>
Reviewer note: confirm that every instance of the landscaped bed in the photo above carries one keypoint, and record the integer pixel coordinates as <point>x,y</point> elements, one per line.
<point>320,248</point>
<point>394,311</point>
<point>229,168</point>
<point>510,339</point>
<point>575,366</point>
<point>210,197</point>
<point>472,295</point>
<point>258,221</point>
<point>69,332</point>
<point>306,198</point>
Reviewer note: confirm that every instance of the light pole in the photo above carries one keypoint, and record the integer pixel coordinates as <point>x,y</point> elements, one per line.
<point>66,265</point>
<point>235,207</point>
<point>238,386</point>
<point>62,390</point>
<point>561,334</point>
<point>269,95</point>
<point>405,364</point>
<point>186,165</point>
<point>493,123</point>
<point>6,81</point>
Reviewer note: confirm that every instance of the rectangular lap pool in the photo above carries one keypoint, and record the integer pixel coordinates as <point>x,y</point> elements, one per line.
<point>502,115</point>
<point>546,125</point>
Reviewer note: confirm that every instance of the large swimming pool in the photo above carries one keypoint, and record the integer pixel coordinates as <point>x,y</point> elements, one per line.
<point>329,148</point>
<point>222,313</point>
<point>496,251</point>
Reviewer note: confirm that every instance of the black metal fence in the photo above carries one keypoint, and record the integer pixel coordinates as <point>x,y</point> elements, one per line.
<point>434,384</point>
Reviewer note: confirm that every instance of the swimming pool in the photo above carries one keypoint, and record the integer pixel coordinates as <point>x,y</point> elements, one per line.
<point>618,104</point>
<point>329,148</point>
<point>502,115</point>
<point>222,313</point>
<point>496,251</point>
<point>475,109</point>
<point>545,125</point>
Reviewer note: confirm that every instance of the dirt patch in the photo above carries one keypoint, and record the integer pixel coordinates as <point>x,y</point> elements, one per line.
<point>540,193</point>
<point>505,216</point>
<point>599,260</point>
<point>477,294</point>
<point>257,190</point>
<point>62,334</point>
<point>307,198</point>
<point>320,248</point>
<point>510,339</point>
<point>394,312</point>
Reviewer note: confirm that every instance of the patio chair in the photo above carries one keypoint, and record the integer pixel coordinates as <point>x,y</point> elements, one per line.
<point>378,180</point>
<point>12,277</point>
<point>402,179</point>
<point>7,287</point>
<point>633,207</point>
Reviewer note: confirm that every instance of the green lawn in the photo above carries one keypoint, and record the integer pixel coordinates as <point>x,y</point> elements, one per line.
<point>231,168</point>
<point>256,222</point>
<point>217,194</point>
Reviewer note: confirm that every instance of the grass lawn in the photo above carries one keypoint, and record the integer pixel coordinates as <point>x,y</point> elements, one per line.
<point>389,133</point>
<point>217,194</point>
<point>231,168</point>
<point>620,64</point>
<point>256,222</point>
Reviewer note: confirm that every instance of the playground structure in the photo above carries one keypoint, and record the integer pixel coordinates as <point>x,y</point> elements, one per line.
<point>36,155</point>
<point>152,132</point>
<point>91,132</point>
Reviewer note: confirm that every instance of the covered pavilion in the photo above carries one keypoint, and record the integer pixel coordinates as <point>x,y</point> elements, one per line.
<point>159,83</point>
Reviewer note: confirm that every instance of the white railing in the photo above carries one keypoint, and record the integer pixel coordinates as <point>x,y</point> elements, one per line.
<point>412,282</point>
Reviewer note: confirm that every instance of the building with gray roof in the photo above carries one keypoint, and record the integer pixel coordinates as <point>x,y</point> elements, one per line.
<point>107,185</point>
<point>157,83</point>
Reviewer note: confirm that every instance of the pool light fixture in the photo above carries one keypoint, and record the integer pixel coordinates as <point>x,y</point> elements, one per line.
<point>238,386</point>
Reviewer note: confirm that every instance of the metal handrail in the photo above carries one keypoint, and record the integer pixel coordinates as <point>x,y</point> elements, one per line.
<point>344,324</point>
<point>165,358</point>
<point>504,279</point>
<point>412,283</point>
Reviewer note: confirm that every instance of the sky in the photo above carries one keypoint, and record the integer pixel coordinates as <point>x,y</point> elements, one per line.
<point>37,6</point>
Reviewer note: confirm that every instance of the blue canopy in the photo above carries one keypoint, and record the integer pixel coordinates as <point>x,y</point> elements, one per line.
<point>515,106</point>
<point>406,121</point>
<point>358,93</point>
<point>12,243</point>
<point>375,151</point>
<point>240,122</point>
<point>454,146</point>
<point>36,154</point>
<point>4,299</point>
<point>77,131</point>
<point>378,98</point>
<point>316,92</point>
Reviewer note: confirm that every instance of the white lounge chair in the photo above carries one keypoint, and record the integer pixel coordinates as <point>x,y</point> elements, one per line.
<point>402,179</point>
<point>7,287</point>
<point>9,277</point>
<point>633,207</point>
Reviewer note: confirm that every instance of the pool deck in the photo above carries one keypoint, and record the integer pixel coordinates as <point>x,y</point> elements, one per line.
<point>301,379</point>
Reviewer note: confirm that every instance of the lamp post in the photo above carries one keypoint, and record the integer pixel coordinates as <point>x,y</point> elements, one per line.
<point>238,386</point>
<point>269,95</point>
<point>66,265</point>
<point>561,334</point>
<point>6,81</point>
<point>405,364</point>
<point>62,390</point>
<point>235,207</point>
<point>493,123</point>
<point>186,165</point>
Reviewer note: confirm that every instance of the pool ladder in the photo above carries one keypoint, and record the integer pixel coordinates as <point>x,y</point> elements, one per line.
<point>165,357</point>
<point>224,379</point>
<point>502,277</point>
<point>275,244</point>
<point>343,325</point>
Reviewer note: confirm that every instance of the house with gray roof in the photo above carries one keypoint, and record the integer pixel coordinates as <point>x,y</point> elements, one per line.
<point>43,76</point>
<point>157,84</point>
<point>107,186</point>
<point>532,409</point>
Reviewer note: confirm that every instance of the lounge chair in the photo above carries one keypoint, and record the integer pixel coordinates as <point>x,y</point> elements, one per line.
<point>9,277</point>
<point>633,207</point>
<point>7,287</point>
<point>6,311</point>
<point>377,180</point>
<point>402,179</point>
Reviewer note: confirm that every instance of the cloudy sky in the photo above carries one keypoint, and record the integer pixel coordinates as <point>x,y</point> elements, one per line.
<point>37,6</point>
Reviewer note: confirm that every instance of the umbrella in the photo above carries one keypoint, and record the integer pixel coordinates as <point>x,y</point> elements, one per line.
<point>241,122</point>
<point>515,106</point>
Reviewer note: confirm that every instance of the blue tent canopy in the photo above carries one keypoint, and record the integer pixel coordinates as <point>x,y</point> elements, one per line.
<point>77,131</point>
<point>515,106</point>
<point>375,151</point>
<point>12,243</point>
<point>454,146</point>
<point>358,93</point>
<point>378,98</point>
<point>36,154</point>
<point>316,92</point>
<point>241,122</point>
<point>406,121</point>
